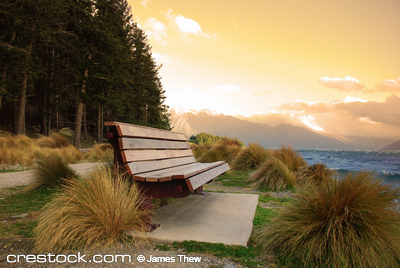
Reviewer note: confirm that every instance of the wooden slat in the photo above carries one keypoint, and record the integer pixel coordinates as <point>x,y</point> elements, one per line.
<point>138,143</point>
<point>181,172</point>
<point>164,174</point>
<point>143,155</point>
<point>191,172</point>
<point>134,168</point>
<point>200,179</point>
<point>129,130</point>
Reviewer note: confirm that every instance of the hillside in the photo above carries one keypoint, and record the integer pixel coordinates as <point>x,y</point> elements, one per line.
<point>193,122</point>
<point>393,146</point>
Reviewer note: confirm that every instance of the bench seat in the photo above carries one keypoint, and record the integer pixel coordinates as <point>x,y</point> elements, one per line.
<point>161,161</point>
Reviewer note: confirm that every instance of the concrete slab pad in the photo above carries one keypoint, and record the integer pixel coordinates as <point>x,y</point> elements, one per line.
<point>215,217</point>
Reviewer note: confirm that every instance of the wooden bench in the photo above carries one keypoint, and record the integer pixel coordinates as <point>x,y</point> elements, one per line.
<point>160,161</point>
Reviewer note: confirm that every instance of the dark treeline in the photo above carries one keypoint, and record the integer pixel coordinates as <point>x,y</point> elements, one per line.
<point>76,63</point>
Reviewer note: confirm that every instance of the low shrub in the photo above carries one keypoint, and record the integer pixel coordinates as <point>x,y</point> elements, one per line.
<point>51,171</point>
<point>102,152</point>
<point>279,171</point>
<point>21,149</point>
<point>250,157</point>
<point>53,141</point>
<point>290,157</point>
<point>274,175</point>
<point>223,150</point>
<point>346,222</point>
<point>315,175</point>
<point>94,211</point>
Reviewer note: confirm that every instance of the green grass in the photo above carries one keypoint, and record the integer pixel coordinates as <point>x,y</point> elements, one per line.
<point>246,256</point>
<point>22,202</point>
<point>234,178</point>
<point>163,247</point>
<point>25,202</point>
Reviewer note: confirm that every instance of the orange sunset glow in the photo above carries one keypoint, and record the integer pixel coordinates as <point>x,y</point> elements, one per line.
<point>332,66</point>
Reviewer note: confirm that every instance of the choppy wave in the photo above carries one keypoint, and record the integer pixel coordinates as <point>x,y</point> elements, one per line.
<point>385,163</point>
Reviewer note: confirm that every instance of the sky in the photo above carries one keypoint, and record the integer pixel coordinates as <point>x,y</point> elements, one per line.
<point>332,66</point>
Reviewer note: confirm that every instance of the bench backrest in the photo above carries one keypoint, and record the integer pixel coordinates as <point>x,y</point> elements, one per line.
<point>145,149</point>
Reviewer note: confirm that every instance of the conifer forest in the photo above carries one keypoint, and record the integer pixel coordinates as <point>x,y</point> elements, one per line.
<point>76,63</point>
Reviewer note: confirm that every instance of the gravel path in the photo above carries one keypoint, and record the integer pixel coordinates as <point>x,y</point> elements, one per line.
<point>13,179</point>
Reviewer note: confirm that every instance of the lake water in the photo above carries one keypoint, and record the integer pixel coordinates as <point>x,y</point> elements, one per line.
<point>385,163</point>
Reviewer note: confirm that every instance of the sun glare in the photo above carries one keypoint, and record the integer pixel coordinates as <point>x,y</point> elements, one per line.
<point>307,120</point>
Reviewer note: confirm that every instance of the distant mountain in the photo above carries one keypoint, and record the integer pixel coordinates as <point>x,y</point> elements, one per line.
<point>393,146</point>
<point>193,122</point>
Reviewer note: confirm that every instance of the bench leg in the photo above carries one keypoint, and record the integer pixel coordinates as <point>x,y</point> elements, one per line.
<point>199,191</point>
<point>148,205</point>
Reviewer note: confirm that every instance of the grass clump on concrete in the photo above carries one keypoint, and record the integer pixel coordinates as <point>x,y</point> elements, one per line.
<point>51,171</point>
<point>95,211</point>
<point>250,158</point>
<point>346,222</point>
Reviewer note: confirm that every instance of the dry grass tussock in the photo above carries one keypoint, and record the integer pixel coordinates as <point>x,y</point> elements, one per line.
<point>21,149</point>
<point>90,212</point>
<point>274,175</point>
<point>103,152</point>
<point>346,222</point>
<point>51,171</point>
<point>53,141</point>
<point>279,171</point>
<point>223,150</point>
<point>315,175</point>
<point>250,158</point>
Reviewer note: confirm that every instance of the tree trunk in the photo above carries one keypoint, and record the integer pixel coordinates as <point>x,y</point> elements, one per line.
<point>79,112</point>
<point>22,100</point>
<point>102,124</point>
<point>15,113</point>
<point>78,125</point>
<point>99,123</point>
<point>49,122</point>
<point>84,123</point>
<point>3,76</point>
<point>43,126</point>
<point>21,108</point>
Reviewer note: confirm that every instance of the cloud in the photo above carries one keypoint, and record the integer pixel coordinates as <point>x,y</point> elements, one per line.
<point>307,107</point>
<point>350,116</point>
<point>349,99</point>
<point>157,30</point>
<point>229,88</point>
<point>347,84</point>
<point>389,85</point>
<point>187,26</point>
<point>162,59</point>
<point>145,2</point>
